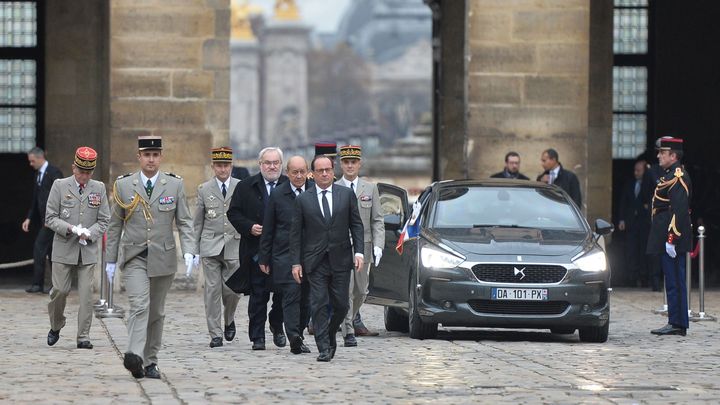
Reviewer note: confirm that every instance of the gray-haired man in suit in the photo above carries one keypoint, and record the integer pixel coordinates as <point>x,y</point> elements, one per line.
<point>218,243</point>
<point>141,243</point>
<point>368,199</point>
<point>78,213</point>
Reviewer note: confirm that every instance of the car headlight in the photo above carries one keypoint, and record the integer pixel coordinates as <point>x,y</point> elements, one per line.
<point>594,261</point>
<point>437,259</point>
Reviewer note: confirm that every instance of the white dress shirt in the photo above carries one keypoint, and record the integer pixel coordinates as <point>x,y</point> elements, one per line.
<point>353,185</point>
<point>328,196</point>
<point>41,172</point>
<point>554,174</point>
<point>226,183</point>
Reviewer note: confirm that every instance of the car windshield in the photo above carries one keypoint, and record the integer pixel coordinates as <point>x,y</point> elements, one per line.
<point>521,207</point>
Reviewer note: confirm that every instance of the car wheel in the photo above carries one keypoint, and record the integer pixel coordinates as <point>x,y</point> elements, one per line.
<point>562,331</point>
<point>395,320</point>
<point>595,334</point>
<point>416,327</point>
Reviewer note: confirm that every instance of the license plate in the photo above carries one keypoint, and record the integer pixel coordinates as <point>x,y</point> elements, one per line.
<point>520,294</point>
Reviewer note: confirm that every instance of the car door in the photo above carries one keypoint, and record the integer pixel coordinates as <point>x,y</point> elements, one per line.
<point>388,282</point>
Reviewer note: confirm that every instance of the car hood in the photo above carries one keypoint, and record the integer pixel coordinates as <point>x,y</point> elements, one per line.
<point>511,241</point>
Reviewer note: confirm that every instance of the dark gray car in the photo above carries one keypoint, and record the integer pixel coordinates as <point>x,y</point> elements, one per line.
<point>494,253</point>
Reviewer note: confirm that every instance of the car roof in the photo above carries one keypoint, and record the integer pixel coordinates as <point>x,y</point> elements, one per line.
<point>495,183</point>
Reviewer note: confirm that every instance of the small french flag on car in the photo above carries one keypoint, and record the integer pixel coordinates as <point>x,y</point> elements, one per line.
<point>411,228</point>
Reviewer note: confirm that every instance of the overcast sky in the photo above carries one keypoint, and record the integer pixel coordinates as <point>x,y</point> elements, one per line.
<point>322,15</point>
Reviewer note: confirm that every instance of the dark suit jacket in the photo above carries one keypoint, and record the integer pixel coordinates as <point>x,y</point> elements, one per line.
<point>275,239</point>
<point>567,181</point>
<point>247,207</point>
<point>501,175</point>
<point>311,237</point>
<point>36,214</point>
<point>634,210</point>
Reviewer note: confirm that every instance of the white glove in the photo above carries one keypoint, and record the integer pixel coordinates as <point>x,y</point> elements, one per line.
<point>196,261</point>
<point>110,271</point>
<point>79,231</point>
<point>188,263</point>
<point>670,249</point>
<point>378,254</point>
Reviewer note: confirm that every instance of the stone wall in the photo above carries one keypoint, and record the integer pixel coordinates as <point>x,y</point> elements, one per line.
<point>538,76</point>
<point>245,97</point>
<point>76,82</point>
<point>169,76</point>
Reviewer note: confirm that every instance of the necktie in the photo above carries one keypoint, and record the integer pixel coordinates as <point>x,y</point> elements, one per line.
<point>80,189</point>
<point>148,188</point>
<point>298,191</point>
<point>637,188</point>
<point>326,207</point>
<point>552,178</point>
<point>39,178</point>
<point>352,187</point>
<point>224,190</point>
<point>272,187</point>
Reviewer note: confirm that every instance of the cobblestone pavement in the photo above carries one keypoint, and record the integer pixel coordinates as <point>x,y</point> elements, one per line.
<point>461,366</point>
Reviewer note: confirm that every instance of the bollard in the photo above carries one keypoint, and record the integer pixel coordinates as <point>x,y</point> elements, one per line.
<point>702,316</point>
<point>110,310</point>
<point>101,303</point>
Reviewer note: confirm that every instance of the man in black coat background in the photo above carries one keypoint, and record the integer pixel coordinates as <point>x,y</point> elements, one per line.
<point>326,218</point>
<point>46,175</point>
<point>275,253</point>
<point>634,220</point>
<point>246,214</point>
<point>512,168</point>
<point>556,174</point>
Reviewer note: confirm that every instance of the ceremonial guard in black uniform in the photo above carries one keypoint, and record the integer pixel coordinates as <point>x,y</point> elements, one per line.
<point>671,231</point>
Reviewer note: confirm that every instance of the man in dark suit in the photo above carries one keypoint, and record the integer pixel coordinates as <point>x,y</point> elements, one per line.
<point>275,253</point>
<point>512,168</point>
<point>46,175</point>
<point>246,214</point>
<point>556,174</point>
<point>326,218</point>
<point>634,220</point>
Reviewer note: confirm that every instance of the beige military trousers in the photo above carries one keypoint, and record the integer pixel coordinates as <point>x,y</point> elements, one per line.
<point>359,282</point>
<point>220,301</point>
<point>146,315</point>
<point>62,282</point>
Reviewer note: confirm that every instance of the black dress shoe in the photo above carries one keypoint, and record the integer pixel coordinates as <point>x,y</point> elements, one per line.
<point>304,348</point>
<point>350,340</point>
<point>216,342</point>
<point>34,289</point>
<point>295,345</point>
<point>333,349</point>
<point>152,371</point>
<point>85,344</point>
<point>669,330</point>
<point>259,344</point>
<point>134,364</point>
<point>230,332</point>
<point>324,356</point>
<point>53,337</point>
<point>279,338</point>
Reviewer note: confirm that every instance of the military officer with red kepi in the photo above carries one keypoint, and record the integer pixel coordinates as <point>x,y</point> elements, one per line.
<point>78,214</point>
<point>670,232</point>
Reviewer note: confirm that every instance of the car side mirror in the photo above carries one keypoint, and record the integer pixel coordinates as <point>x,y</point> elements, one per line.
<point>393,222</point>
<point>603,227</point>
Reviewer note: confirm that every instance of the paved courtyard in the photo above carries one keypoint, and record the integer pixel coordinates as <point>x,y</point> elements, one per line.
<point>461,366</point>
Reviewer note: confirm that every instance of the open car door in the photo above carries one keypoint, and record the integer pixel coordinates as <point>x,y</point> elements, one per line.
<point>388,282</point>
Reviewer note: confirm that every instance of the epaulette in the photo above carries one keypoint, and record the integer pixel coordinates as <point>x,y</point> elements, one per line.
<point>124,175</point>
<point>173,175</point>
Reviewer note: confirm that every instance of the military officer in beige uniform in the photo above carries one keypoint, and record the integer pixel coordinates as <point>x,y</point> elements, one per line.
<point>218,243</point>
<point>141,243</point>
<point>368,199</point>
<point>78,213</point>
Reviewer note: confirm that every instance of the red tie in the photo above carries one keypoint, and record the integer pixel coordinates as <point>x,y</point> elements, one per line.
<point>82,187</point>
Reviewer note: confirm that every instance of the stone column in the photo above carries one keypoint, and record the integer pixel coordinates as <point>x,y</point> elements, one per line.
<point>537,76</point>
<point>245,98</point>
<point>284,46</point>
<point>169,76</point>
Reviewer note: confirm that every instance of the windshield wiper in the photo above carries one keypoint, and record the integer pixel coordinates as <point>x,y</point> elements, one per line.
<point>502,226</point>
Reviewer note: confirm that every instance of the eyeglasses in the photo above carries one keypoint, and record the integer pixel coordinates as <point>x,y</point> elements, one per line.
<point>322,171</point>
<point>271,163</point>
<point>298,172</point>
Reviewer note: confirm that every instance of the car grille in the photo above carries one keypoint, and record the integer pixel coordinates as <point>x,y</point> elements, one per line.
<point>519,307</point>
<point>508,273</point>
